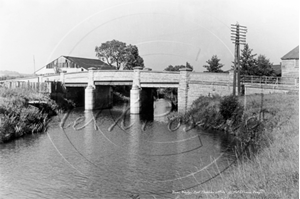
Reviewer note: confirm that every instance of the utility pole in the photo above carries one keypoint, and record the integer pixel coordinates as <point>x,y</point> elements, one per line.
<point>238,36</point>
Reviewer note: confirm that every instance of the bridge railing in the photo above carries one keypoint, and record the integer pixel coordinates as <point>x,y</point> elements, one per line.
<point>269,80</point>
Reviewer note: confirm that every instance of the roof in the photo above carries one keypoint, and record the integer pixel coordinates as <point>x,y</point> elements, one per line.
<point>88,63</point>
<point>277,69</point>
<point>293,54</point>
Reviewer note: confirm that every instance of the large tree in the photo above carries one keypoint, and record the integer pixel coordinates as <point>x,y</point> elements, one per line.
<point>177,67</point>
<point>116,52</point>
<point>248,61</point>
<point>250,65</point>
<point>214,65</point>
<point>264,66</point>
<point>132,58</point>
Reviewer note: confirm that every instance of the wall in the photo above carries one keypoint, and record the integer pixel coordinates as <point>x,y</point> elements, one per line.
<point>290,68</point>
<point>196,90</point>
<point>192,85</point>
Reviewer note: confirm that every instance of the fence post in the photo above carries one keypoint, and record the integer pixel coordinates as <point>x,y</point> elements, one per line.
<point>260,80</point>
<point>266,78</point>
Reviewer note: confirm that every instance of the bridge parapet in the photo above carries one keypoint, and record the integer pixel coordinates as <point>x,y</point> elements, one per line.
<point>211,77</point>
<point>160,76</point>
<point>113,75</point>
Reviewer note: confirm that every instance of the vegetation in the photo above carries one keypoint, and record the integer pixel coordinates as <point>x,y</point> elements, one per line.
<point>223,113</point>
<point>177,67</point>
<point>214,65</point>
<point>117,52</point>
<point>250,65</point>
<point>228,105</point>
<point>272,169</point>
<point>18,117</point>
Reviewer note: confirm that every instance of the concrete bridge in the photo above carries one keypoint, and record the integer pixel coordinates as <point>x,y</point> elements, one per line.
<point>95,86</point>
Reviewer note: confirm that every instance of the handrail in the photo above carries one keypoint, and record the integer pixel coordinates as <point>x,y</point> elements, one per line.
<point>269,80</point>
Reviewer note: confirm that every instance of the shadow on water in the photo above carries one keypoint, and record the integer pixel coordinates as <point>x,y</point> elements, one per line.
<point>22,142</point>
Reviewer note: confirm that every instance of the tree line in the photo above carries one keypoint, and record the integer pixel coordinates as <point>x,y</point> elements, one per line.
<point>249,64</point>
<point>122,56</point>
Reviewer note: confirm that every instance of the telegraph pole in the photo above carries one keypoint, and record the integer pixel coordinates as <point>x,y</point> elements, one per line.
<point>238,36</point>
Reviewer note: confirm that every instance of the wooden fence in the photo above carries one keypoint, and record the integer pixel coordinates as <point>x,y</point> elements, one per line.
<point>41,87</point>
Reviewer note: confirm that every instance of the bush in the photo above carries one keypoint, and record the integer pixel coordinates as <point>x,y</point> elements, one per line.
<point>223,113</point>
<point>229,106</point>
<point>18,118</point>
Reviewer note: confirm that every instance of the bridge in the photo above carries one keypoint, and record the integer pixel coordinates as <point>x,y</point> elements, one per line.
<point>96,85</point>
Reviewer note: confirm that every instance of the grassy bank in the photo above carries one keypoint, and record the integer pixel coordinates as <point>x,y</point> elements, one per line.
<point>273,171</point>
<point>18,117</point>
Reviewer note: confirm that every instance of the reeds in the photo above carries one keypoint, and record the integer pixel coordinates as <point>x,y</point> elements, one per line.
<point>18,118</point>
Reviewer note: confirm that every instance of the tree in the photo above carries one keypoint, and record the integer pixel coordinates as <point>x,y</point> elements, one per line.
<point>250,65</point>
<point>132,58</point>
<point>247,61</point>
<point>111,52</point>
<point>116,52</point>
<point>188,65</point>
<point>177,67</point>
<point>264,66</point>
<point>214,65</point>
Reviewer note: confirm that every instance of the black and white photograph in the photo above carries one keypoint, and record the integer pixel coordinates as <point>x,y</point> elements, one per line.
<point>149,99</point>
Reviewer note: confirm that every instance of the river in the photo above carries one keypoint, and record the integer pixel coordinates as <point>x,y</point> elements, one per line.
<point>100,154</point>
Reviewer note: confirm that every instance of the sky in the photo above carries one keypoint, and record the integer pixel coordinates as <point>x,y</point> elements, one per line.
<point>166,32</point>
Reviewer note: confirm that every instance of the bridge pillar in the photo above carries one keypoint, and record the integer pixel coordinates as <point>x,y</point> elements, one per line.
<point>62,77</point>
<point>183,89</point>
<point>89,93</point>
<point>135,101</point>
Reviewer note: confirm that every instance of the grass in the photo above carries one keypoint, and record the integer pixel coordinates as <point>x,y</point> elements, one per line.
<point>273,172</point>
<point>18,118</point>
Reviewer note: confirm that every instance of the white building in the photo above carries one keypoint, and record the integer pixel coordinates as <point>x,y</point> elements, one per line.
<point>290,63</point>
<point>72,64</point>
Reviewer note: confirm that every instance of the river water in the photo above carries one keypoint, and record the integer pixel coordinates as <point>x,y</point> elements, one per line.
<point>111,154</point>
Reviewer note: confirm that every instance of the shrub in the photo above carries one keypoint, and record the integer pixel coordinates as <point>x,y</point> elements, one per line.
<point>18,118</point>
<point>229,107</point>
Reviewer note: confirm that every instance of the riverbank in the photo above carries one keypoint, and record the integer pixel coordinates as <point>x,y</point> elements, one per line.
<point>18,117</point>
<point>273,171</point>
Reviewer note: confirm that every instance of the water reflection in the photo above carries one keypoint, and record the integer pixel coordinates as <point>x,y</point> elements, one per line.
<point>90,122</point>
<point>132,158</point>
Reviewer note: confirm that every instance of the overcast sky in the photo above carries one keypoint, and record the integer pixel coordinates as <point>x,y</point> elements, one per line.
<point>167,32</point>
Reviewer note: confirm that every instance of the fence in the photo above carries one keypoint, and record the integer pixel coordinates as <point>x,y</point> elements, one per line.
<point>284,81</point>
<point>41,87</point>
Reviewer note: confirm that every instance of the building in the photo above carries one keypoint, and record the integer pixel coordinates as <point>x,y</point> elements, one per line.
<point>290,64</point>
<point>72,64</point>
<point>277,69</point>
